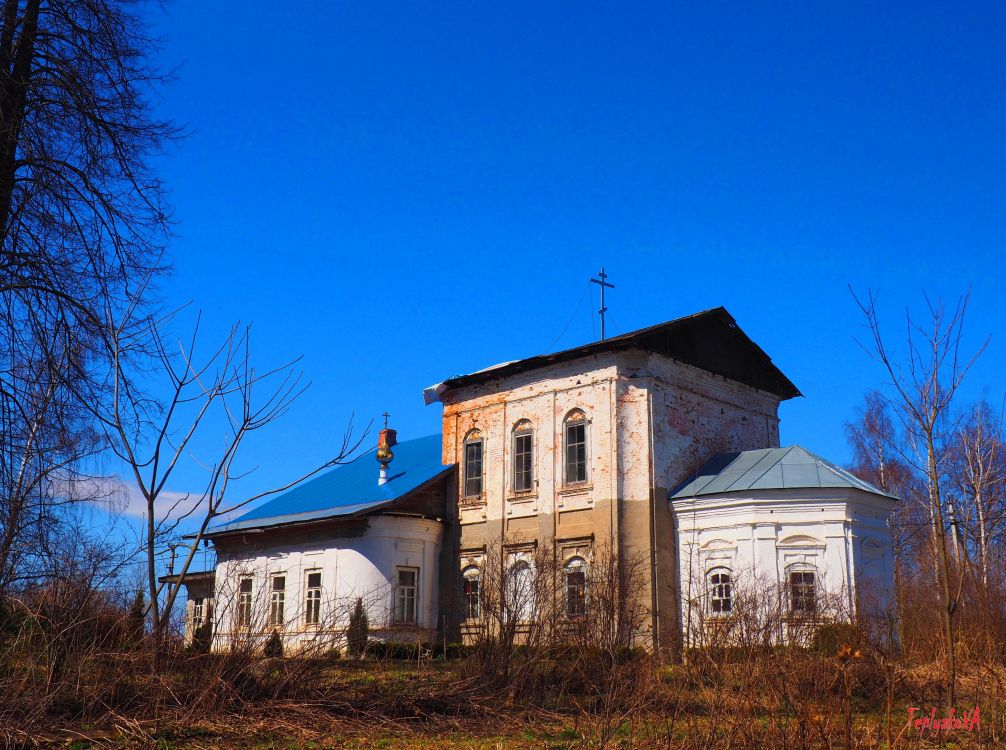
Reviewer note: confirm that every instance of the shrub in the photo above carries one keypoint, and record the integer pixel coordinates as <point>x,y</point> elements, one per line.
<point>358,631</point>
<point>136,619</point>
<point>273,648</point>
<point>397,650</point>
<point>831,637</point>
<point>202,638</point>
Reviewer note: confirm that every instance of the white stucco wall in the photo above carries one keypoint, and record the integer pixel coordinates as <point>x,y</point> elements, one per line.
<point>840,534</point>
<point>363,566</point>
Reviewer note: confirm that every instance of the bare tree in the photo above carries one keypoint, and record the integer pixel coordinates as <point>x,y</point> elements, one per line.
<point>878,451</point>
<point>979,477</point>
<point>82,225</point>
<point>924,387</point>
<point>152,436</point>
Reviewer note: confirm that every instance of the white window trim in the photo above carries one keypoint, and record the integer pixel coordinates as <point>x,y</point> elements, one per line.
<point>719,570</point>
<point>272,600</point>
<point>471,573</point>
<point>417,609</point>
<point>243,608</point>
<point>575,564</point>
<point>308,590</point>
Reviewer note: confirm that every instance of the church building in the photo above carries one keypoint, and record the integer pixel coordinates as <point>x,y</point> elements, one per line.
<point>661,444</point>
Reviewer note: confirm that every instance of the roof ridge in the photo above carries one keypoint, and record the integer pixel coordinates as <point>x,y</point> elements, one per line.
<point>772,464</point>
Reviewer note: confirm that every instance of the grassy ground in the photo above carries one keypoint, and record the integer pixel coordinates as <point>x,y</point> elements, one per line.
<point>389,705</point>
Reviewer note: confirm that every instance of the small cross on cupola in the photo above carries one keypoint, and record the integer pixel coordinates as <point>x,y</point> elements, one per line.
<point>385,441</point>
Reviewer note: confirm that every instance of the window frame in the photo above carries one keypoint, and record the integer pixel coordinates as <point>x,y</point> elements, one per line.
<point>401,589</point>
<point>198,611</point>
<point>575,418</point>
<point>574,606</point>
<point>277,600</point>
<point>523,431</point>
<point>799,592</point>
<point>313,598</point>
<point>715,592</point>
<point>471,440</point>
<point>245,602</point>
<point>471,602</point>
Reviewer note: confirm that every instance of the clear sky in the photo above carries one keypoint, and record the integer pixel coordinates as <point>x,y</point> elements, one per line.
<point>402,192</point>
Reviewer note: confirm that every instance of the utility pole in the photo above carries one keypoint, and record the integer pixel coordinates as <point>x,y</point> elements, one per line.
<point>602,282</point>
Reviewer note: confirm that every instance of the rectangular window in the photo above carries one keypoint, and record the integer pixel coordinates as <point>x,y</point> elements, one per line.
<point>406,587</point>
<point>473,469</point>
<point>312,603</point>
<point>197,612</point>
<point>576,452</point>
<point>277,599</point>
<point>522,461</point>
<point>244,603</point>
<point>803,593</point>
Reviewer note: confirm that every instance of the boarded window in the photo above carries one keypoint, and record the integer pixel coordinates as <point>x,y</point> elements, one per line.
<point>519,592</point>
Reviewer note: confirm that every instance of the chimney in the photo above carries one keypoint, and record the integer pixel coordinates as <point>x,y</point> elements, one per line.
<point>386,439</point>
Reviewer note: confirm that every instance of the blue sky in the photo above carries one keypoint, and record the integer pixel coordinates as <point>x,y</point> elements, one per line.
<point>401,192</point>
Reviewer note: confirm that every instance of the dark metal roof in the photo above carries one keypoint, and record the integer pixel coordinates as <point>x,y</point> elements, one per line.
<point>350,489</point>
<point>770,469</point>
<point>193,577</point>
<point>711,340</point>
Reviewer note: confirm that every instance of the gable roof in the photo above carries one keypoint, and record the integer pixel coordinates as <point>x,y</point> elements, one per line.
<point>787,468</point>
<point>711,340</point>
<point>349,489</point>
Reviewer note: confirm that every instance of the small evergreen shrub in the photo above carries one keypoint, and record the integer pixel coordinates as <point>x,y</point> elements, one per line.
<point>358,631</point>
<point>136,619</point>
<point>273,648</point>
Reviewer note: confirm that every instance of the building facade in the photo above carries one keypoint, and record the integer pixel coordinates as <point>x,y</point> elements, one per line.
<point>594,448</point>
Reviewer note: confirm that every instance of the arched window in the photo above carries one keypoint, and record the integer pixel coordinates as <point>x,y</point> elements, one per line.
<point>470,593</point>
<point>721,599</point>
<point>575,584</point>
<point>575,447</point>
<point>473,449</point>
<point>523,456</point>
<point>802,591</point>
<point>519,594</point>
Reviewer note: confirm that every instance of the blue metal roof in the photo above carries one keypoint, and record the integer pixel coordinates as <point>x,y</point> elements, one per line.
<point>349,488</point>
<point>787,468</point>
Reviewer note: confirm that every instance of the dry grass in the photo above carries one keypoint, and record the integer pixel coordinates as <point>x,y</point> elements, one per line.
<point>397,705</point>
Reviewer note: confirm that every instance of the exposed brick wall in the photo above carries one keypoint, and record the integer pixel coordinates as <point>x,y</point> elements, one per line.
<point>652,421</point>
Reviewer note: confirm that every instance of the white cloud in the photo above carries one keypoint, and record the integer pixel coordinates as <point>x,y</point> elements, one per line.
<point>125,497</point>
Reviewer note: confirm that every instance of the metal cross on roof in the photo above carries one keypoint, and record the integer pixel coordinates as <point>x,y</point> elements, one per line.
<point>602,282</point>
<point>385,415</point>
